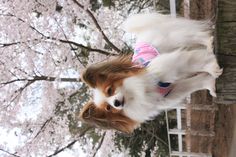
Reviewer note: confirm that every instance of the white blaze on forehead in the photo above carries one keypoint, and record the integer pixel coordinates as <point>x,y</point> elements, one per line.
<point>98,96</point>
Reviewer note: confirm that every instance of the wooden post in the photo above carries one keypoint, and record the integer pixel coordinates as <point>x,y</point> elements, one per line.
<point>225,45</point>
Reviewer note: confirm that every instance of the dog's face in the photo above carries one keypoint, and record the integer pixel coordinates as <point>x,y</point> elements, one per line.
<point>106,80</point>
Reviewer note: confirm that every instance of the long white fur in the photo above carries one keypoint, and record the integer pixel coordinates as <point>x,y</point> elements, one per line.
<point>167,33</point>
<point>183,46</point>
<point>145,105</point>
<point>180,64</point>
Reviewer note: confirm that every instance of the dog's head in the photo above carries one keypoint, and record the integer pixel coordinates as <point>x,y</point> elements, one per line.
<point>106,81</point>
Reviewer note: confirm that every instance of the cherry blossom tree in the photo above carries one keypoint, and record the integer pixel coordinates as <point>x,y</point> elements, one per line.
<point>44,45</point>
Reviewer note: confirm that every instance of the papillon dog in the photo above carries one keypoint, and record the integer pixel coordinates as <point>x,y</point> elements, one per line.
<point>172,59</point>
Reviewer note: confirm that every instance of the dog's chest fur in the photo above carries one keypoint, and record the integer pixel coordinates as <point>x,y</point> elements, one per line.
<point>143,102</point>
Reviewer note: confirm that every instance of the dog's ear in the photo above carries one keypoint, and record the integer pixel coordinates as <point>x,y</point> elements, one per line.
<point>90,76</point>
<point>93,115</point>
<point>118,68</point>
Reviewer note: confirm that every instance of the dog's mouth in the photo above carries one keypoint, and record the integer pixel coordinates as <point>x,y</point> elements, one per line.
<point>123,102</point>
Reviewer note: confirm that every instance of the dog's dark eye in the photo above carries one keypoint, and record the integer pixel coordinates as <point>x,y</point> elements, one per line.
<point>108,107</point>
<point>109,91</point>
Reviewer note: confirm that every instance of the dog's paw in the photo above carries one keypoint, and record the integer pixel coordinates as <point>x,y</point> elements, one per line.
<point>212,90</point>
<point>207,81</point>
<point>210,85</point>
<point>218,72</point>
<point>214,69</point>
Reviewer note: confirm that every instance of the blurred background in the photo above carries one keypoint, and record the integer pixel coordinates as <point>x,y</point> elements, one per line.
<point>45,45</point>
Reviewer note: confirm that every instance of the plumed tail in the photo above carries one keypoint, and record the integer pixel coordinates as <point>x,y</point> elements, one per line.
<point>139,22</point>
<point>158,30</point>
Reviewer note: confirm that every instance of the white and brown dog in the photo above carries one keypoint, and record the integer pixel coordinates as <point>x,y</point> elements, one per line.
<point>171,60</point>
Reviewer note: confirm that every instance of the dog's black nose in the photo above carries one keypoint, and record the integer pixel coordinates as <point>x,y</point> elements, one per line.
<point>117,103</point>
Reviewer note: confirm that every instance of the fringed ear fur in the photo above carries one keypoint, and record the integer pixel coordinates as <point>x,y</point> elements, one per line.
<point>95,116</point>
<point>120,66</point>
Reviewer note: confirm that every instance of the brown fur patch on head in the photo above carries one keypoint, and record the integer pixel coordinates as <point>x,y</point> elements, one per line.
<point>113,70</point>
<point>107,119</point>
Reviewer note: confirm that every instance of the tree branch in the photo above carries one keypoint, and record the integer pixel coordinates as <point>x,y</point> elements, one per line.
<point>43,127</point>
<point>158,138</point>
<point>20,19</point>
<point>71,46</point>
<point>56,39</point>
<point>9,153</point>
<point>84,47</point>
<point>71,143</point>
<point>16,43</point>
<point>98,26</point>
<point>30,81</point>
<point>62,41</point>
<point>100,144</point>
<point>19,91</point>
<point>42,78</point>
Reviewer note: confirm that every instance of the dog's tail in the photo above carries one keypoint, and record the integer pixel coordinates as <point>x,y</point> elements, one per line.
<point>159,29</point>
<point>140,22</point>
